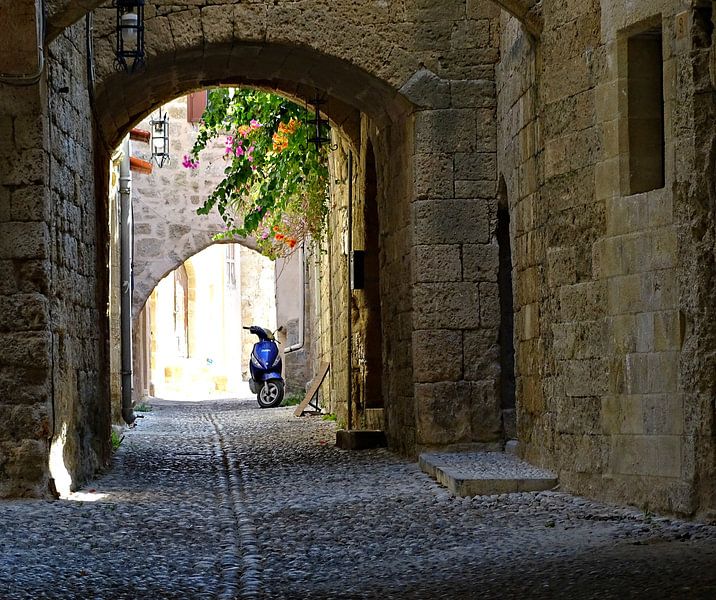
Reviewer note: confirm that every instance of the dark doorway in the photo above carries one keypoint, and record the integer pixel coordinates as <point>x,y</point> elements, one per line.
<point>507,323</point>
<point>373,321</point>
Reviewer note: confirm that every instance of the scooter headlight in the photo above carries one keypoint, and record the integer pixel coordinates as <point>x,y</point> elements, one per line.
<point>277,361</point>
<point>255,362</point>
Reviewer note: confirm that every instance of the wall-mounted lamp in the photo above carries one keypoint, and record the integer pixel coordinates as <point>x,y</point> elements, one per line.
<point>321,126</point>
<point>130,35</point>
<point>160,138</point>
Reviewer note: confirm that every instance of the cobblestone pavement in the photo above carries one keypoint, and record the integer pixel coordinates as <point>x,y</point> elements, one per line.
<point>221,500</point>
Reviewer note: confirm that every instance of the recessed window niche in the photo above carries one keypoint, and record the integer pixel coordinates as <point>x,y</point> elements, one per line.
<point>645,112</point>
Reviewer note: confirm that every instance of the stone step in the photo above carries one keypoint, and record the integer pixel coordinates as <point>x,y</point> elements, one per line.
<point>483,473</point>
<point>360,439</point>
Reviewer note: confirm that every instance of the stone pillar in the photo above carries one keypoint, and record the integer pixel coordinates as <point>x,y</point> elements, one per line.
<point>25,342</point>
<point>455,292</point>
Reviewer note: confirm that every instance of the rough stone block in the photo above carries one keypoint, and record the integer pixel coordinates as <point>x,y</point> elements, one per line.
<point>583,301</point>
<point>586,377</point>
<point>482,355</point>
<point>23,312</point>
<point>433,176</point>
<point>486,413</point>
<point>478,9</point>
<point>663,414</point>
<point>476,166</point>
<point>27,464</point>
<point>437,263</point>
<point>578,415</point>
<point>453,305</point>
<point>656,456</point>
<point>23,240</point>
<point>561,266</point>
<point>21,41</point>
<point>489,305</point>
<point>437,355</point>
<point>452,222</point>
<point>475,189</point>
<point>667,331</point>
<point>443,413</point>
<point>652,372</point>
<point>445,130</point>
<point>579,340</point>
<point>22,349</point>
<point>25,421</point>
<point>480,262</point>
<point>473,94</point>
<point>426,90</point>
<point>582,453</point>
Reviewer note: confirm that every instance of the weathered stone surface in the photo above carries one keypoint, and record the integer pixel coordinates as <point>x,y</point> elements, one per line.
<point>446,305</point>
<point>437,355</point>
<point>427,90</point>
<point>452,221</point>
<point>609,286</point>
<point>438,263</point>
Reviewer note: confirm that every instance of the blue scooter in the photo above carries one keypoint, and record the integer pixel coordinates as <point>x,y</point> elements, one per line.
<point>265,367</point>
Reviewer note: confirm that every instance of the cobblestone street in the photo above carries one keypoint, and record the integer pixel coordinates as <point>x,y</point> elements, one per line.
<point>220,499</point>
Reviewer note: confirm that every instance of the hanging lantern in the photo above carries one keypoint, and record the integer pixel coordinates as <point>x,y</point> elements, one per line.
<point>160,138</point>
<point>321,127</point>
<point>129,54</point>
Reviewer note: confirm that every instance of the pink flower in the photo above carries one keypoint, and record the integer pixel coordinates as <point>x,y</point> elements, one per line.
<point>189,163</point>
<point>255,124</point>
<point>239,151</point>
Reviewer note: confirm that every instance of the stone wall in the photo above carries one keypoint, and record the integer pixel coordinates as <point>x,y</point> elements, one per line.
<point>167,229</point>
<point>53,358</point>
<point>25,291</point>
<point>603,275</point>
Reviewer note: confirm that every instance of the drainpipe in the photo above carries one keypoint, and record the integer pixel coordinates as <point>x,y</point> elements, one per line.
<point>125,211</point>
<point>349,308</point>
<point>302,309</point>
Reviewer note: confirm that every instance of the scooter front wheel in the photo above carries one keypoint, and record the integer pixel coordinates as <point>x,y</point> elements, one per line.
<point>270,394</point>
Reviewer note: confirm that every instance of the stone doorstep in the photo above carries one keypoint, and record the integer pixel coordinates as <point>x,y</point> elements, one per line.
<point>484,473</point>
<point>360,439</point>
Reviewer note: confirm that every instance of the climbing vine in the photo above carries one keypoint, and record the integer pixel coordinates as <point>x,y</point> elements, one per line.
<point>275,183</point>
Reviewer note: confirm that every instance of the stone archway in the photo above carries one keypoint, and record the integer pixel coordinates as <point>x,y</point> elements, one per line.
<point>428,97</point>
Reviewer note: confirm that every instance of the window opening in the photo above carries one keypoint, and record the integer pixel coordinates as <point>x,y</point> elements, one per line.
<point>645,93</point>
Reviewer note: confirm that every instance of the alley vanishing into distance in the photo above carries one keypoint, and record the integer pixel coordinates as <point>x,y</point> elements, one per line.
<point>219,499</point>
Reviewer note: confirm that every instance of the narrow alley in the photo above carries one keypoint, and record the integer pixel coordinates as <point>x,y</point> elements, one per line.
<point>219,499</point>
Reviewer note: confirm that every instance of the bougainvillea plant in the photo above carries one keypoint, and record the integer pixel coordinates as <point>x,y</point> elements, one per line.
<point>275,184</point>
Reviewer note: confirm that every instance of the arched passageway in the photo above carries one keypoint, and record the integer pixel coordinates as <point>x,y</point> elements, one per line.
<point>431,123</point>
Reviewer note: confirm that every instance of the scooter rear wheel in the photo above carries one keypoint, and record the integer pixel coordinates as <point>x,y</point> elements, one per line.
<point>270,394</point>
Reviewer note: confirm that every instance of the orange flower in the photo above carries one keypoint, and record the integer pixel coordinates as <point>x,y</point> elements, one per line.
<point>280,142</point>
<point>279,236</point>
<point>291,242</point>
<point>276,228</point>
